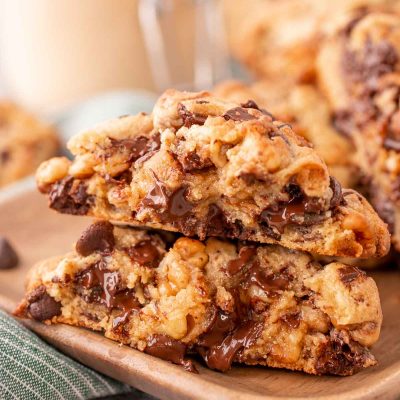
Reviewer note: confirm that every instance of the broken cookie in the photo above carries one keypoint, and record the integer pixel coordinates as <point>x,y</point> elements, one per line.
<point>228,302</point>
<point>206,167</point>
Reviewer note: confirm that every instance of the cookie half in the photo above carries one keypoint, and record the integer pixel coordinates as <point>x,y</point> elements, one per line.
<point>206,167</point>
<point>227,302</point>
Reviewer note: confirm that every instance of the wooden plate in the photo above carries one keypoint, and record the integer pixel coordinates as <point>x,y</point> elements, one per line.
<point>39,233</point>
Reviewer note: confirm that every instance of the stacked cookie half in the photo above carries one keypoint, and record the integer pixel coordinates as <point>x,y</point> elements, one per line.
<point>209,212</point>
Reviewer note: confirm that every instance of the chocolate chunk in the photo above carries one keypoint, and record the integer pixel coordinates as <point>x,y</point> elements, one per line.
<point>97,237</point>
<point>169,349</point>
<point>104,284</point>
<point>69,196</point>
<point>258,276</point>
<point>193,163</point>
<point>8,256</point>
<point>253,104</point>
<point>341,356</point>
<point>337,192</point>
<point>190,118</point>
<point>145,253</point>
<point>217,224</point>
<point>42,306</point>
<point>136,147</point>
<point>221,357</point>
<point>238,114</point>
<point>246,253</point>
<point>348,274</point>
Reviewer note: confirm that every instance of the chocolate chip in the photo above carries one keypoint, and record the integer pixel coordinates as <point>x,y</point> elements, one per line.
<point>192,162</point>
<point>136,147</point>
<point>253,104</point>
<point>97,237</point>
<point>42,306</point>
<point>348,274</point>
<point>341,356</point>
<point>336,192</point>
<point>69,196</point>
<point>8,256</point>
<point>169,349</point>
<point>145,253</point>
<point>190,118</point>
<point>238,114</point>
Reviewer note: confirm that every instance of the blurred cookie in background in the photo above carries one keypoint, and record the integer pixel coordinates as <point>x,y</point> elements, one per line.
<point>282,38</point>
<point>305,109</point>
<point>24,142</point>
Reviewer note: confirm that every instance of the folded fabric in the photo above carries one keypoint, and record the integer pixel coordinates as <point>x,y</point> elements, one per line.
<point>30,369</point>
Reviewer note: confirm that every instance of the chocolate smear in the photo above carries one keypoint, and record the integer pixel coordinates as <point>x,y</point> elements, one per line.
<point>169,349</point>
<point>8,256</point>
<point>97,237</point>
<point>246,253</point>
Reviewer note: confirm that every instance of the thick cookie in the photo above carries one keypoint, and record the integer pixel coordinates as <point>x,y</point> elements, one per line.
<point>24,143</point>
<point>205,167</point>
<point>359,69</point>
<point>228,302</point>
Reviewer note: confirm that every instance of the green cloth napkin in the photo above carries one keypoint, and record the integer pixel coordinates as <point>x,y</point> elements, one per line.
<point>30,369</point>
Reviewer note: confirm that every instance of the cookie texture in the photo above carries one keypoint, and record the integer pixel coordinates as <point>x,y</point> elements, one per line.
<point>25,142</point>
<point>308,113</point>
<point>206,167</point>
<point>359,69</point>
<point>228,302</point>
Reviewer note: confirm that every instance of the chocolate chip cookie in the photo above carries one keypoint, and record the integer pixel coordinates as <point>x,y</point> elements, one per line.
<point>24,143</point>
<point>206,167</point>
<point>226,301</point>
<point>280,40</point>
<point>359,69</point>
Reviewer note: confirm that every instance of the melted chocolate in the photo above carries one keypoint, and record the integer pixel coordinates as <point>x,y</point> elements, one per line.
<point>125,301</point>
<point>190,118</point>
<point>157,197</point>
<point>145,253</point>
<point>269,283</point>
<point>103,280</point>
<point>169,349</point>
<point>246,253</point>
<point>217,224</point>
<point>104,286</point>
<point>336,192</point>
<point>69,196</point>
<point>220,357</point>
<point>238,114</point>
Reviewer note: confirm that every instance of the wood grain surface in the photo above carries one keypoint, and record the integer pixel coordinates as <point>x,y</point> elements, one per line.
<point>38,233</point>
